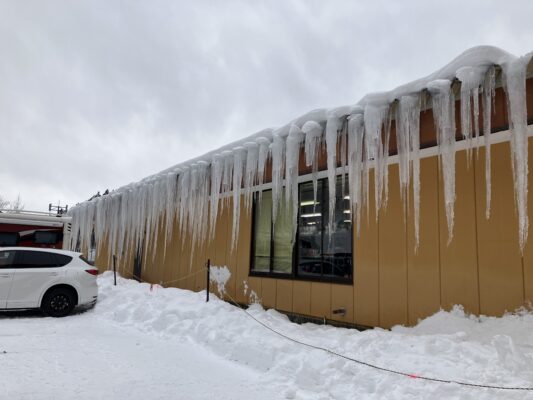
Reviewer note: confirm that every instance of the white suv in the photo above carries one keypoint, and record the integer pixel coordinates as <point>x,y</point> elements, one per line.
<point>54,280</point>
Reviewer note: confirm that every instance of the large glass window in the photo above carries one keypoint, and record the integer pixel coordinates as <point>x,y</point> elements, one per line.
<point>273,250</point>
<point>318,252</point>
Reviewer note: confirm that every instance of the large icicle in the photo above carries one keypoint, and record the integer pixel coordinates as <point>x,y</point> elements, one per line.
<point>376,117</point>
<point>408,139</point>
<point>343,136</point>
<point>278,152</point>
<point>313,138</point>
<point>355,165</point>
<point>198,206</point>
<point>333,126</point>
<point>264,151</point>
<point>291,173</point>
<point>515,88</point>
<point>184,188</point>
<point>443,103</point>
<point>170,208</point>
<point>252,157</point>
<point>239,155</point>
<point>217,169</point>
<point>471,79</point>
<point>227,175</point>
<point>488,97</point>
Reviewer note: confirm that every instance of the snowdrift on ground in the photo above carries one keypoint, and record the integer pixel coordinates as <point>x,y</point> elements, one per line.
<point>448,345</point>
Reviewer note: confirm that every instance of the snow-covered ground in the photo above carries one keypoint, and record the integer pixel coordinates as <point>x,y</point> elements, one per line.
<point>153,343</point>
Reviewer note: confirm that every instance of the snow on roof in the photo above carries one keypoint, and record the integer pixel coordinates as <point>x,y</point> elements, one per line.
<point>363,130</point>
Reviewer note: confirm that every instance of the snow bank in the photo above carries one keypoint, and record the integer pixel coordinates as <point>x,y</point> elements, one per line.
<point>448,345</point>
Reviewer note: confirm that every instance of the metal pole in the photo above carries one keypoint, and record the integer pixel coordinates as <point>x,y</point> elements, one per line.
<point>207,283</point>
<point>115,268</point>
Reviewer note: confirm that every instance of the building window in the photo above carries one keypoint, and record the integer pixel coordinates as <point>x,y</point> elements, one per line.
<point>317,253</point>
<point>46,237</point>
<point>9,238</point>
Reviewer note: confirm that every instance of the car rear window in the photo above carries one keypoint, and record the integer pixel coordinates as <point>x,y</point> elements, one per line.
<point>85,260</point>
<point>40,259</point>
<point>62,259</point>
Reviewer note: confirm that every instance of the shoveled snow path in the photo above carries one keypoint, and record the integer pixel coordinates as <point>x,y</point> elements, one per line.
<point>86,357</point>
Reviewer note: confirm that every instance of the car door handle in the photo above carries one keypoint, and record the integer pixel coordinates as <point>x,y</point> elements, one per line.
<point>5,275</point>
<point>53,274</point>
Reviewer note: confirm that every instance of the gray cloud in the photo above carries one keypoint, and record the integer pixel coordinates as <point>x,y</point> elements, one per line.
<point>96,94</point>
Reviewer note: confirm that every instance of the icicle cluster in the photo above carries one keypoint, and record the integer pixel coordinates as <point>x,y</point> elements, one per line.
<point>355,139</point>
<point>408,140</point>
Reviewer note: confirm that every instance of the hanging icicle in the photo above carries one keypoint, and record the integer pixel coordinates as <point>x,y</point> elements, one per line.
<point>355,165</point>
<point>278,154</point>
<point>239,157</point>
<point>408,140</point>
<point>471,80</point>
<point>252,156</point>
<point>333,126</point>
<point>443,102</point>
<point>264,151</point>
<point>515,89</point>
<point>291,175</point>
<point>376,117</point>
<point>313,139</point>
<point>489,85</point>
<point>217,169</point>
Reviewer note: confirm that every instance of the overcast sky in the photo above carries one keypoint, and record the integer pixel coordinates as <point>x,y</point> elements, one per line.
<point>97,94</point>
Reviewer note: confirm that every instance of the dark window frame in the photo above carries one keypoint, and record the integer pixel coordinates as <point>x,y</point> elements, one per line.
<point>293,275</point>
<point>42,233</point>
<point>15,235</point>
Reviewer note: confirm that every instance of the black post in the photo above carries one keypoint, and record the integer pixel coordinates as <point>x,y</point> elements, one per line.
<point>207,284</point>
<point>115,268</point>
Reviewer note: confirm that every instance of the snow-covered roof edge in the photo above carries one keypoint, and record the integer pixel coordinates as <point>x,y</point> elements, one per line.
<point>359,128</point>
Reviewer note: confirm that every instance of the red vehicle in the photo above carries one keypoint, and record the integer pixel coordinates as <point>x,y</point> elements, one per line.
<point>34,229</point>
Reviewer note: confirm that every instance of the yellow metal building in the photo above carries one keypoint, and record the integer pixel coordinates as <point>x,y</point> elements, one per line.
<point>391,281</point>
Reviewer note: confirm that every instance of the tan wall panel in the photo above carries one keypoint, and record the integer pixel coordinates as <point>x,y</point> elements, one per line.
<point>392,257</point>
<point>301,297</point>
<point>501,286</point>
<point>321,299</point>
<point>243,253</point>
<point>458,260</point>
<point>221,239</point>
<point>423,266</point>
<point>342,297</point>
<point>184,263</point>
<point>173,257</point>
<point>231,255</point>
<point>200,266</point>
<point>268,292</point>
<point>162,263</point>
<point>102,258</point>
<point>527,261</point>
<point>284,294</point>
<point>254,286</point>
<point>366,267</point>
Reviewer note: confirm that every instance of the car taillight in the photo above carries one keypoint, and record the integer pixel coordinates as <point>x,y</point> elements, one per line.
<point>92,271</point>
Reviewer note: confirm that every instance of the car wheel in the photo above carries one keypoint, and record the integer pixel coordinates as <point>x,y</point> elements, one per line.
<point>58,302</point>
